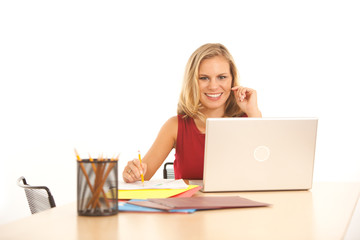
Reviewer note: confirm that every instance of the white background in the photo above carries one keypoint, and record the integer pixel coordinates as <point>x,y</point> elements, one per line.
<point>103,76</point>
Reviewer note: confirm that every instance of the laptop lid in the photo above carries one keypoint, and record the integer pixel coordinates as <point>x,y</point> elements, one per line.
<point>255,154</point>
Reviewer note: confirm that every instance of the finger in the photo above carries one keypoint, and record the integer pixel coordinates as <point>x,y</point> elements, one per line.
<point>136,162</point>
<point>131,172</point>
<point>250,92</point>
<point>244,91</point>
<point>235,88</point>
<point>253,91</point>
<point>138,168</point>
<point>135,169</point>
<point>144,167</point>
<point>241,94</point>
<point>127,177</point>
<point>247,92</point>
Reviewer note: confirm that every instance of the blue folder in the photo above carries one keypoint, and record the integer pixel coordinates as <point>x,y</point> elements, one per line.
<point>125,207</point>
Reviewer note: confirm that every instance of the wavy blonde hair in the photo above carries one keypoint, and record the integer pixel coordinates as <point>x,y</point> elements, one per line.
<point>189,103</point>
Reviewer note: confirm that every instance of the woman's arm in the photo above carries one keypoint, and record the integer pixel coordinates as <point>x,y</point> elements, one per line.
<point>246,98</point>
<point>164,143</point>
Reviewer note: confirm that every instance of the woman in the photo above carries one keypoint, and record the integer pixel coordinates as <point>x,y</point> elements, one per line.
<point>210,90</point>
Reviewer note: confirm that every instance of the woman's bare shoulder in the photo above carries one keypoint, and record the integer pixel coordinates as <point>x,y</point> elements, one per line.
<point>168,131</point>
<point>171,123</point>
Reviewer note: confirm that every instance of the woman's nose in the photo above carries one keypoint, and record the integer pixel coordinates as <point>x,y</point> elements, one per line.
<point>213,84</point>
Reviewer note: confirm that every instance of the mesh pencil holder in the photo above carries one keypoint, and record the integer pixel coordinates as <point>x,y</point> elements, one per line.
<point>97,187</point>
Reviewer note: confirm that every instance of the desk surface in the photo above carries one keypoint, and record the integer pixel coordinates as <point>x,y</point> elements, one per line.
<point>322,213</point>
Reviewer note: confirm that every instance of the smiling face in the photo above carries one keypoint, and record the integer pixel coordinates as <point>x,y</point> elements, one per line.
<point>215,85</point>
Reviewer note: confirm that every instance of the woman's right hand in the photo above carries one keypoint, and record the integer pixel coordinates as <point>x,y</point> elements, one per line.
<point>133,170</point>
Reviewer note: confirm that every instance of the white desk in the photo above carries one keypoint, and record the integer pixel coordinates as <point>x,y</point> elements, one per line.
<point>322,213</point>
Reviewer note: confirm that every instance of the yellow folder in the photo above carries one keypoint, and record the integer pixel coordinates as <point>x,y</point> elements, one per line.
<point>151,193</point>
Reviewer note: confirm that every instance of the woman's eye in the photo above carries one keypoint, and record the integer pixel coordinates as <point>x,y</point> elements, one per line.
<point>203,78</point>
<point>222,77</point>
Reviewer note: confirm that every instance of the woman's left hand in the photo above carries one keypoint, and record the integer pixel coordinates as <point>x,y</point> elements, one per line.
<point>246,98</point>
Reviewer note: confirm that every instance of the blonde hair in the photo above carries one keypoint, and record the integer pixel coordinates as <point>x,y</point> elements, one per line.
<point>189,103</point>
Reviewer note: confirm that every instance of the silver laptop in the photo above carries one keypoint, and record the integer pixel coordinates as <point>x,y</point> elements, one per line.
<point>257,154</point>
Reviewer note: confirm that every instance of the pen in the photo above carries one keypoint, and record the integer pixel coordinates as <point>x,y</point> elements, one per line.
<point>142,175</point>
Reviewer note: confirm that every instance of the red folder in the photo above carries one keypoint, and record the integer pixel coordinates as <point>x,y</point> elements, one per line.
<point>188,193</point>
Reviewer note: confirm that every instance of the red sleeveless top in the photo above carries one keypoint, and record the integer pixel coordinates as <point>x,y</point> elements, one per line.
<point>189,154</point>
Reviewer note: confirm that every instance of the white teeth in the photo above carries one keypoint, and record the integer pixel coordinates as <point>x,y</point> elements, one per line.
<point>213,95</point>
